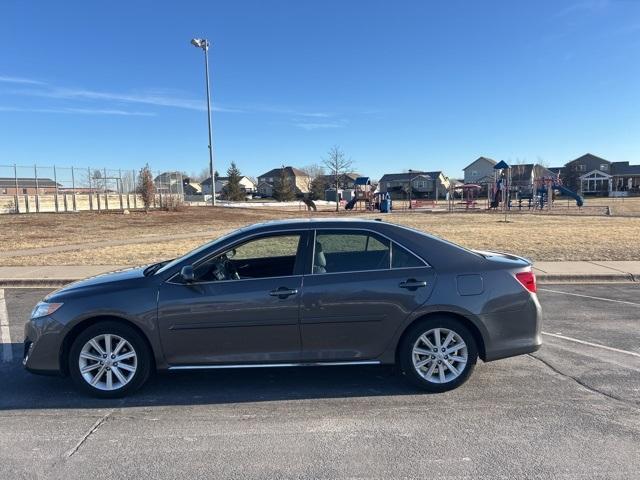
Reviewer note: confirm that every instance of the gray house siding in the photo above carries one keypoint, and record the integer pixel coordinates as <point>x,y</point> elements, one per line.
<point>478,170</point>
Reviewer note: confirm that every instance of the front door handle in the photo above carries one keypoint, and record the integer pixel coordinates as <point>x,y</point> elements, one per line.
<point>283,292</point>
<point>412,284</point>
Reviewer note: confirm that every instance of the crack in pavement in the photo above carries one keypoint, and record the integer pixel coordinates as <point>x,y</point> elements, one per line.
<point>90,432</point>
<point>583,384</point>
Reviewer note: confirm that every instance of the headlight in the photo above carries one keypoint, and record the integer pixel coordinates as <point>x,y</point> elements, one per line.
<point>43,309</point>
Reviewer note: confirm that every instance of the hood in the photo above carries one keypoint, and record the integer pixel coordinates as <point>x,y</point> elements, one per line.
<point>116,279</point>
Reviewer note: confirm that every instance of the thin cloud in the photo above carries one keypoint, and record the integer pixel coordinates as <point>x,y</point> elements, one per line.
<point>309,126</point>
<point>157,98</point>
<point>587,6</point>
<point>23,81</point>
<point>78,111</point>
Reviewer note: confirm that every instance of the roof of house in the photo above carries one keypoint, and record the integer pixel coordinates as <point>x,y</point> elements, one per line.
<point>623,168</point>
<point>406,176</point>
<point>501,165</point>
<point>27,182</point>
<point>589,156</point>
<point>289,171</point>
<point>490,160</point>
<point>402,177</point>
<point>363,181</point>
<point>174,174</point>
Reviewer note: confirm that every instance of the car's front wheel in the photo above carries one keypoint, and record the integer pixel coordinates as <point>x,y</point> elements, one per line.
<point>438,354</point>
<point>109,360</point>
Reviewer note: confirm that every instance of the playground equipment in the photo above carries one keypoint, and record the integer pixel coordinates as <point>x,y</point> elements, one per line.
<point>500,193</point>
<point>470,193</point>
<point>311,205</point>
<point>545,188</point>
<point>363,195</point>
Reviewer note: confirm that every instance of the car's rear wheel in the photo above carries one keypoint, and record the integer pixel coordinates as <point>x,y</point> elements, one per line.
<point>438,354</point>
<point>109,360</point>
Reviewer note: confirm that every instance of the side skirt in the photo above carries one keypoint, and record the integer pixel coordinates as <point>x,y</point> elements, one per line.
<point>269,365</point>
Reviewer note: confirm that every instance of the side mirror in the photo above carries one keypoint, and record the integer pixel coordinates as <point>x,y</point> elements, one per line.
<point>187,274</point>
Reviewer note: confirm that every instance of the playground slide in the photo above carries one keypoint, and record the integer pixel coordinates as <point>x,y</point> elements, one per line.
<point>570,193</point>
<point>350,204</point>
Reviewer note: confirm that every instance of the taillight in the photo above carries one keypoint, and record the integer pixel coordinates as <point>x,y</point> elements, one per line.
<point>528,280</point>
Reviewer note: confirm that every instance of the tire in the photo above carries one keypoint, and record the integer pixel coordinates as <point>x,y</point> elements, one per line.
<point>118,376</point>
<point>427,376</point>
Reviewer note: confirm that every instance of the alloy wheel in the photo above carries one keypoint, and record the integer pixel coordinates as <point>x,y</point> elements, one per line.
<point>108,362</point>
<point>440,355</point>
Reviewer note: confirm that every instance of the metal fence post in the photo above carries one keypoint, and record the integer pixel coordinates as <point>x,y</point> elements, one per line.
<point>120,189</point>
<point>15,177</point>
<point>104,186</point>
<point>90,191</point>
<point>73,188</point>
<point>55,180</point>
<point>135,190</point>
<point>35,170</point>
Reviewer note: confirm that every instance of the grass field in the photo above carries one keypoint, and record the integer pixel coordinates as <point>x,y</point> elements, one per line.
<point>540,237</point>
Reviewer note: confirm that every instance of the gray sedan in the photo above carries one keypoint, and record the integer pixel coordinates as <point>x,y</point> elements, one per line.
<point>292,293</point>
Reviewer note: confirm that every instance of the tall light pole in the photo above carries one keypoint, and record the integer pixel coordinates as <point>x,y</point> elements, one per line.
<point>203,43</point>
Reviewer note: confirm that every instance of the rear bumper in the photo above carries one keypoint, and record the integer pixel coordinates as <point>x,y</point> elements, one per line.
<point>513,333</point>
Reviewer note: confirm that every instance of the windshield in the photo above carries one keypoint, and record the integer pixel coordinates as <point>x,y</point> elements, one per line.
<point>193,254</point>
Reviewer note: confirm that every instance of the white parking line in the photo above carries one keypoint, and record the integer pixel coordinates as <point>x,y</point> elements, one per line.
<point>589,296</point>
<point>597,345</point>
<point>5,334</point>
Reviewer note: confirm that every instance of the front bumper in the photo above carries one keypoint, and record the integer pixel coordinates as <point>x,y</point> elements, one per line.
<point>42,346</point>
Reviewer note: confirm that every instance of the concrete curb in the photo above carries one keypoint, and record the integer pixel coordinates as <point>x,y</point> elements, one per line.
<point>543,279</point>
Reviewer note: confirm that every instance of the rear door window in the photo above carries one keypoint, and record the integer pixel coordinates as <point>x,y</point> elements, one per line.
<point>338,251</point>
<point>403,258</point>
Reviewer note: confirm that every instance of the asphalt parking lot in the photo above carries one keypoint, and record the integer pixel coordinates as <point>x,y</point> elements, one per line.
<point>571,410</point>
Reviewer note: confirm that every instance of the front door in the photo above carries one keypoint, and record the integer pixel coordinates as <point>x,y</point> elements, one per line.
<point>243,306</point>
<point>361,288</point>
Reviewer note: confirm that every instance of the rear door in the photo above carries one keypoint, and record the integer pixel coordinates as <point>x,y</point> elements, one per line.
<point>361,287</point>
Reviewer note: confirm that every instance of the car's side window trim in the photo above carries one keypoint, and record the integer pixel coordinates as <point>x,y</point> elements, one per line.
<point>298,268</point>
<point>310,261</point>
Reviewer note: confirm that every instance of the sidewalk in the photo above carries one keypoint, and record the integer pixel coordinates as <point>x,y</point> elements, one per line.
<point>546,272</point>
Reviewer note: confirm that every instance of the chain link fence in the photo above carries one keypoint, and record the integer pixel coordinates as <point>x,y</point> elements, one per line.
<point>38,188</point>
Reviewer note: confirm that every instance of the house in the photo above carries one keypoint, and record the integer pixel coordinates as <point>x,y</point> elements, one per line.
<point>346,181</point>
<point>626,178</point>
<point>191,188</point>
<point>423,184</point>
<point>245,182</point>
<point>299,180</point>
<point>587,174</point>
<point>27,186</point>
<point>524,177</point>
<point>170,182</point>
<point>480,171</point>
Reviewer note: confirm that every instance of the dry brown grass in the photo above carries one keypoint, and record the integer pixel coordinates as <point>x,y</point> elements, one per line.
<point>540,237</point>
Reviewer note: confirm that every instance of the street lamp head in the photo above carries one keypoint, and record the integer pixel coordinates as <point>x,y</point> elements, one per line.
<point>199,42</point>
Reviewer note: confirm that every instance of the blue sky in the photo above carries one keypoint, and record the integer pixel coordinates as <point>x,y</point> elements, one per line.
<point>397,84</point>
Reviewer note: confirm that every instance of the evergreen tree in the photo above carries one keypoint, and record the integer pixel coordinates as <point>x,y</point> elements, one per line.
<point>146,188</point>
<point>282,189</point>
<point>233,190</point>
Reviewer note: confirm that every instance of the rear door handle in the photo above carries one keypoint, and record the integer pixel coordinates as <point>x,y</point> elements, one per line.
<point>283,292</point>
<point>412,284</point>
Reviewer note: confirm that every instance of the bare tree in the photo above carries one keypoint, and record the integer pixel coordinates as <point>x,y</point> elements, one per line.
<point>337,164</point>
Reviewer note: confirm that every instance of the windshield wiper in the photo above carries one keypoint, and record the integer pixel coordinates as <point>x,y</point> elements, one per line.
<point>151,269</point>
